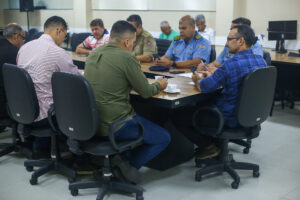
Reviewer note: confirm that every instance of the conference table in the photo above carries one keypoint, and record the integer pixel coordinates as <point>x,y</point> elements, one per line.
<point>160,108</point>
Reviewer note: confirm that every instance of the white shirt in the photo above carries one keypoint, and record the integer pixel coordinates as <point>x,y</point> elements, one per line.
<point>209,34</point>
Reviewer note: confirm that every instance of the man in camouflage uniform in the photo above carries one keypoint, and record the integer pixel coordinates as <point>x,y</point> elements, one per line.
<point>145,44</point>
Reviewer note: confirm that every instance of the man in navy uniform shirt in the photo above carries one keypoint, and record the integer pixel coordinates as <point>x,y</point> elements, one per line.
<point>188,49</point>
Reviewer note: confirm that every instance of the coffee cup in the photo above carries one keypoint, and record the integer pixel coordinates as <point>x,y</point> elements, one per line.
<point>157,77</point>
<point>172,87</point>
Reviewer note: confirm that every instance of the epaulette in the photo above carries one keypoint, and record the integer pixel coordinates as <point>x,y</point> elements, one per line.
<point>177,37</point>
<point>198,37</point>
<point>145,34</point>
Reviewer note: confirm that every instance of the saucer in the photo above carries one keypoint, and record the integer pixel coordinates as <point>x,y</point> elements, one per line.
<point>172,91</point>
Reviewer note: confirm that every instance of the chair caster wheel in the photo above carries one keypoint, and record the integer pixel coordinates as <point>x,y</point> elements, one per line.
<point>139,197</point>
<point>246,151</point>
<point>33,181</point>
<point>256,174</point>
<point>74,192</point>
<point>29,168</point>
<point>234,185</point>
<point>198,178</point>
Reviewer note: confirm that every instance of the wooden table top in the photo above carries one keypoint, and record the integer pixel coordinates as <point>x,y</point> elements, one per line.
<point>278,57</point>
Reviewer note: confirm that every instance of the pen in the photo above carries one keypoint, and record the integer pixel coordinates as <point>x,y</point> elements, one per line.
<point>205,65</point>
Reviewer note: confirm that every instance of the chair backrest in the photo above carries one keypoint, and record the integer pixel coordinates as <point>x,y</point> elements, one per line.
<point>212,56</point>
<point>20,93</point>
<point>162,46</point>
<point>256,96</point>
<point>267,57</point>
<point>75,106</point>
<point>36,35</point>
<point>77,38</point>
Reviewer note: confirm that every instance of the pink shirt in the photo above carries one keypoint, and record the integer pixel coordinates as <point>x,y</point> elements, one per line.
<point>40,58</point>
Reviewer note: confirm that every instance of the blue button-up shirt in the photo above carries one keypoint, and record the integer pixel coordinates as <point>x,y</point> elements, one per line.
<point>225,55</point>
<point>195,48</point>
<point>229,76</point>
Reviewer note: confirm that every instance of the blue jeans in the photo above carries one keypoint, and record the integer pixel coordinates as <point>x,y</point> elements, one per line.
<point>156,139</point>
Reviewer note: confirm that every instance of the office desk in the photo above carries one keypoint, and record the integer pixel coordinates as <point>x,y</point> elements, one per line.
<point>160,109</point>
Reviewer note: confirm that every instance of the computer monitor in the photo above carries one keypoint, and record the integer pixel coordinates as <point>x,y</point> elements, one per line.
<point>280,31</point>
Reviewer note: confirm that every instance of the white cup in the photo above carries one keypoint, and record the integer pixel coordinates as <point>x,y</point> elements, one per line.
<point>172,87</point>
<point>157,77</point>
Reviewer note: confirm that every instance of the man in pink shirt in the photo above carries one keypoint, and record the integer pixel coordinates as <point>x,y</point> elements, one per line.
<point>99,38</point>
<point>43,56</point>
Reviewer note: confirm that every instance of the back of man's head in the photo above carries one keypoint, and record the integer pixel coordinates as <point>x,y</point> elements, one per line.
<point>54,22</point>
<point>11,29</point>
<point>121,30</point>
<point>242,20</point>
<point>247,33</point>
<point>136,19</point>
<point>187,19</point>
<point>97,22</point>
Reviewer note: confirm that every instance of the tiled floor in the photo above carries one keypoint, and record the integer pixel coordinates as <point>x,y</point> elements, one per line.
<point>276,150</point>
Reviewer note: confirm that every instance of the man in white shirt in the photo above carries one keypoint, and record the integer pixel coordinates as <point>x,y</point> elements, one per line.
<point>99,38</point>
<point>206,32</point>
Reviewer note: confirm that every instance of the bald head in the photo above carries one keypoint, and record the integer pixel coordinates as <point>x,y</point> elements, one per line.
<point>187,27</point>
<point>187,19</point>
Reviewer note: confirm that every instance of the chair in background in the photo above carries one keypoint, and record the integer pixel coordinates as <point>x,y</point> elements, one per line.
<point>212,56</point>
<point>162,46</point>
<point>24,108</point>
<point>78,38</point>
<point>253,107</point>
<point>77,118</point>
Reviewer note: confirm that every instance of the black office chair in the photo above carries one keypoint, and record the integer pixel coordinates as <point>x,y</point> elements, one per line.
<point>162,46</point>
<point>77,38</point>
<point>24,108</point>
<point>77,118</point>
<point>247,142</point>
<point>253,108</point>
<point>212,56</point>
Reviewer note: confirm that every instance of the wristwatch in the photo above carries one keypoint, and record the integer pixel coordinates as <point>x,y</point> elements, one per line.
<point>174,64</point>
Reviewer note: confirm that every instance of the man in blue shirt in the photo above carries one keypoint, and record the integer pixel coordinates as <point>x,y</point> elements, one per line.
<point>225,54</point>
<point>229,76</point>
<point>188,49</point>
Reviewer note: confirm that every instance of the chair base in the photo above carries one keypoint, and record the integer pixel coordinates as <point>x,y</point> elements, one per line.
<point>105,185</point>
<point>47,166</point>
<point>6,148</point>
<point>245,143</point>
<point>229,167</point>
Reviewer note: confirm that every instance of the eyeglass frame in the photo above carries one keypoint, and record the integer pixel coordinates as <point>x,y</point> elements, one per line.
<point>233,38</point>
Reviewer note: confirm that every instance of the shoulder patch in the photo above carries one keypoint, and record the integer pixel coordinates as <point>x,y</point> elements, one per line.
<point>177,37</point>
<point>145,34</point>
<point>198,37</point>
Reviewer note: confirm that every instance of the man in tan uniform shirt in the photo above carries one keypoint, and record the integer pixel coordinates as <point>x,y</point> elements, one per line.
<point>145,44</point>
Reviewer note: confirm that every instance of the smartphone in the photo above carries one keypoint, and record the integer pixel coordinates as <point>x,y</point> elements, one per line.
<point>156,56</point>
<point>193,69</point>
<point>177,72</point>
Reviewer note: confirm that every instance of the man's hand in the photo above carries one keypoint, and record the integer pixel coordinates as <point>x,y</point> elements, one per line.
<point>211,69</point>
<point>163,83</point>
<point>202,67</point>
<point>196,79</point>
<point>164,62</point>
<point>206,73</point>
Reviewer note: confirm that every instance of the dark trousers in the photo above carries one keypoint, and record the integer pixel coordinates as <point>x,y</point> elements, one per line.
<point>41,143</point>
<point>156,139</point>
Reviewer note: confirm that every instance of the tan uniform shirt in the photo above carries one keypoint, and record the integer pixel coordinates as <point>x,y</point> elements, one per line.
<point>145,44</point>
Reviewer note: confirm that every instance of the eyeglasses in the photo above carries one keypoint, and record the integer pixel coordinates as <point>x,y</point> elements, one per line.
<point>23,37</point>
<point>228,38</point>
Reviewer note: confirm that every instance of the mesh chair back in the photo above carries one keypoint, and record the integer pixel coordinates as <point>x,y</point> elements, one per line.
<point>77,38</point>
<point>162,46</point>
<point>256,96</point>
<point>75,106</point>
<point>267,57</point>
<point>20,93</point>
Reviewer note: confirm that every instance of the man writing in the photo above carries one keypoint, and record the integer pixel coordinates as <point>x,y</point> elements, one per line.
<point>188,49</point>
<point>99,38</point>
<point>113,72</point>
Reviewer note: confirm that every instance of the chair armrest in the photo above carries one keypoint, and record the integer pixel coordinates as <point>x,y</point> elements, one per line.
<point>208,121</point>
<point>133,143</point>
<point>51,114</point>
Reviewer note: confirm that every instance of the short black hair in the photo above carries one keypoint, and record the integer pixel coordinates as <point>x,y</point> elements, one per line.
<point>55,21</point>
<point>247,33</point>
<point>97,22</point>
<point>135,18</point>
<point>120,29</point>
<point>242,20</point>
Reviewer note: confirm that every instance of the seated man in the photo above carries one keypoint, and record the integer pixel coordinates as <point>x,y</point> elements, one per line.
<point>188,49</point>
<point>144,46</point>
<point>229,76</point>
<point>99,38</point>
<point>9,46</point>
<point>206,32</point>
<point>113,72</point>
<point>225,54</point>
<point>167,32</point>
<point>40,58</point>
